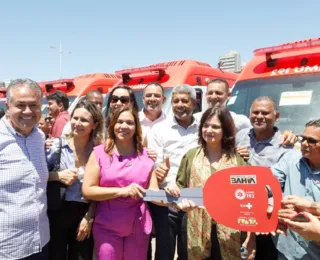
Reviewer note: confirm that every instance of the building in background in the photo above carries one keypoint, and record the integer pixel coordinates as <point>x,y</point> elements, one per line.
<point>230,62</point>
<point>243,64</point>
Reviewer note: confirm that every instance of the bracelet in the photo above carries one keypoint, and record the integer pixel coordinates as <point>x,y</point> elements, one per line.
<point>89,219</point>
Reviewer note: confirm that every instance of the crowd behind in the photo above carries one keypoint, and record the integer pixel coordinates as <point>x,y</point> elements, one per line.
<point>72,184</point>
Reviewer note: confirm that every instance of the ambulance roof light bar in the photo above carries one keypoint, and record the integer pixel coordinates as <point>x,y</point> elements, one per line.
<point>61,84</point>
<point>3,92</point>
<point>298,45</point>
<point>59,81</point>
<point>125,74</point>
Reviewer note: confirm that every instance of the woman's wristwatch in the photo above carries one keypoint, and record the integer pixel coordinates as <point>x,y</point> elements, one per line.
<point>89,218</point>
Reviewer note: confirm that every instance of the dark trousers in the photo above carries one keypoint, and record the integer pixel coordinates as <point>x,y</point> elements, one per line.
<point>169,226</point>
<point>64,223</point>
<point>43,255</point>
<point>265,248</point>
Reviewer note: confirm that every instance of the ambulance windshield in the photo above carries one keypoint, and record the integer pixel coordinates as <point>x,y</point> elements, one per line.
<point>298,98</point>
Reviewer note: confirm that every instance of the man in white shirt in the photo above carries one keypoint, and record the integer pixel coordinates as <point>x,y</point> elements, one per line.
<point>153,99</point>
<point>218,93</point>
<point>173,138</point>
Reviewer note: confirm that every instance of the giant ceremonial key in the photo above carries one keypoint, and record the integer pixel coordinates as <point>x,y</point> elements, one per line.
<point>236,197</point>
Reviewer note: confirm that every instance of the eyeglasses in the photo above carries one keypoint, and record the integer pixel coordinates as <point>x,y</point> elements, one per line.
<point>309,140</point>
<point>123,99</point>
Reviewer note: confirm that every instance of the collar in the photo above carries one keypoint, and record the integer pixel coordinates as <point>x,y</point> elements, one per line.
<point>174,123</point>
<point>13,131</point>
<point>65,142</point>
<point>142,116</point>
<point>65,112</point>
<point>306,163</point>
<point>273,140</point>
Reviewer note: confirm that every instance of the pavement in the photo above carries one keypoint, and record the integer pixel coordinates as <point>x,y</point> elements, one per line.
<point>153,242</point>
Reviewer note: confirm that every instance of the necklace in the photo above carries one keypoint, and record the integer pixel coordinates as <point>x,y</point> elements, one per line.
<point>129,157</point>
<point>129,164</point>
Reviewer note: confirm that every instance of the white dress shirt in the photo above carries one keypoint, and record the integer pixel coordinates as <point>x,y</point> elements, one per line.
<point>170,138</point>
<point>147,124</point>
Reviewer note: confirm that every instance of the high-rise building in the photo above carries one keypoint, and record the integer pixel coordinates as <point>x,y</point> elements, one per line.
<point>230,61</point>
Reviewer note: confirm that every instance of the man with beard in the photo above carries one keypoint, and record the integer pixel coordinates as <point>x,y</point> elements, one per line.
<point>153,99</point>
<point>263,143</point>
<point>58,104</point>
<point>299,174</point>
<point>173,137</point>
<point>24,225</point>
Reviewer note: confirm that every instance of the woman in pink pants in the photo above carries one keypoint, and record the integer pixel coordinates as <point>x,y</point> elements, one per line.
<point>116,176</point>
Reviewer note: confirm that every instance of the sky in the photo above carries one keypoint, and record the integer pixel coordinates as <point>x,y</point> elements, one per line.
<point>105,36</point>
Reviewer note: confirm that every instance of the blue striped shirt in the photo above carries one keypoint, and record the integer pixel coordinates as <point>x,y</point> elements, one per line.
<point>24,226</point>
<point>67,161</point>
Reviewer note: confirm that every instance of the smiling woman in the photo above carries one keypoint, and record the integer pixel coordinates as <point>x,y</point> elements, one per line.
<point>116,176</point>
<point>70,215</point>
<point>120,96</point>
<point>216,151</point>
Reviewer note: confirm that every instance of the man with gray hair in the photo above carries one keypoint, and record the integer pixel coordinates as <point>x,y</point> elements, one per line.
<point>24,226</point>
<point>173,137</point>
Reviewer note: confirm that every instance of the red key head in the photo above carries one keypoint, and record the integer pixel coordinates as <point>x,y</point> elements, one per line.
<point>238,198</point>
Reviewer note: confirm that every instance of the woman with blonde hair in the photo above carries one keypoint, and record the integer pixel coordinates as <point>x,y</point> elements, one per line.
<point>70,215</point>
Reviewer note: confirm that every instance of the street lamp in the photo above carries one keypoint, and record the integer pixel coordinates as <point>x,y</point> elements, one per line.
<point>60,55</point>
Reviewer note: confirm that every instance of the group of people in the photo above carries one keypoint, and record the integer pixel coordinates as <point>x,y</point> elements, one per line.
<point>72,185</point>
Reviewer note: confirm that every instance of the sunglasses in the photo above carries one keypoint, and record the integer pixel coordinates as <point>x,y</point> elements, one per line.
<point>309,140</point>
<point>123,99</point>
